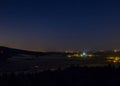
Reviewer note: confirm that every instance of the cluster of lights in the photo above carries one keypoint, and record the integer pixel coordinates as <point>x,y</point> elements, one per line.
<point>84,54</point>
<point>114,59</point>
<point>116,50</point>
<point>117,59</point>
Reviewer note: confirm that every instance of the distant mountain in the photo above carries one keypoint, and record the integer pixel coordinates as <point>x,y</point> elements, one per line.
<point>6,52</point>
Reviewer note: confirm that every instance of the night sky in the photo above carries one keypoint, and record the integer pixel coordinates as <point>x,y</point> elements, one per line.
<point>58,25</point>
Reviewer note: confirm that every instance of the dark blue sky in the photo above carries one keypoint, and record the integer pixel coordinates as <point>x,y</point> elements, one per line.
<point>55,25</point>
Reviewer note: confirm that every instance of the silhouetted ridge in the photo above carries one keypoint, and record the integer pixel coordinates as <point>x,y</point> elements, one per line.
<point>6,52</point>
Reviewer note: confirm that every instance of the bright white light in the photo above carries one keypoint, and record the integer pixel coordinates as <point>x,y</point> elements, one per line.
<point>84,53</point>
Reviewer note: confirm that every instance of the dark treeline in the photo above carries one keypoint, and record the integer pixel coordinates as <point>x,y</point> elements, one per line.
<point>73,76</point>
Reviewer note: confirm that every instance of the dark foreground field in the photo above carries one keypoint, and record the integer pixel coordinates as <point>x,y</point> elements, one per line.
<point>18,64</point>
<point>73,76</point>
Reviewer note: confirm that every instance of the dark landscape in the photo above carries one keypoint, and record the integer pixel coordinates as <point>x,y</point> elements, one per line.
<point>28,68</point>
